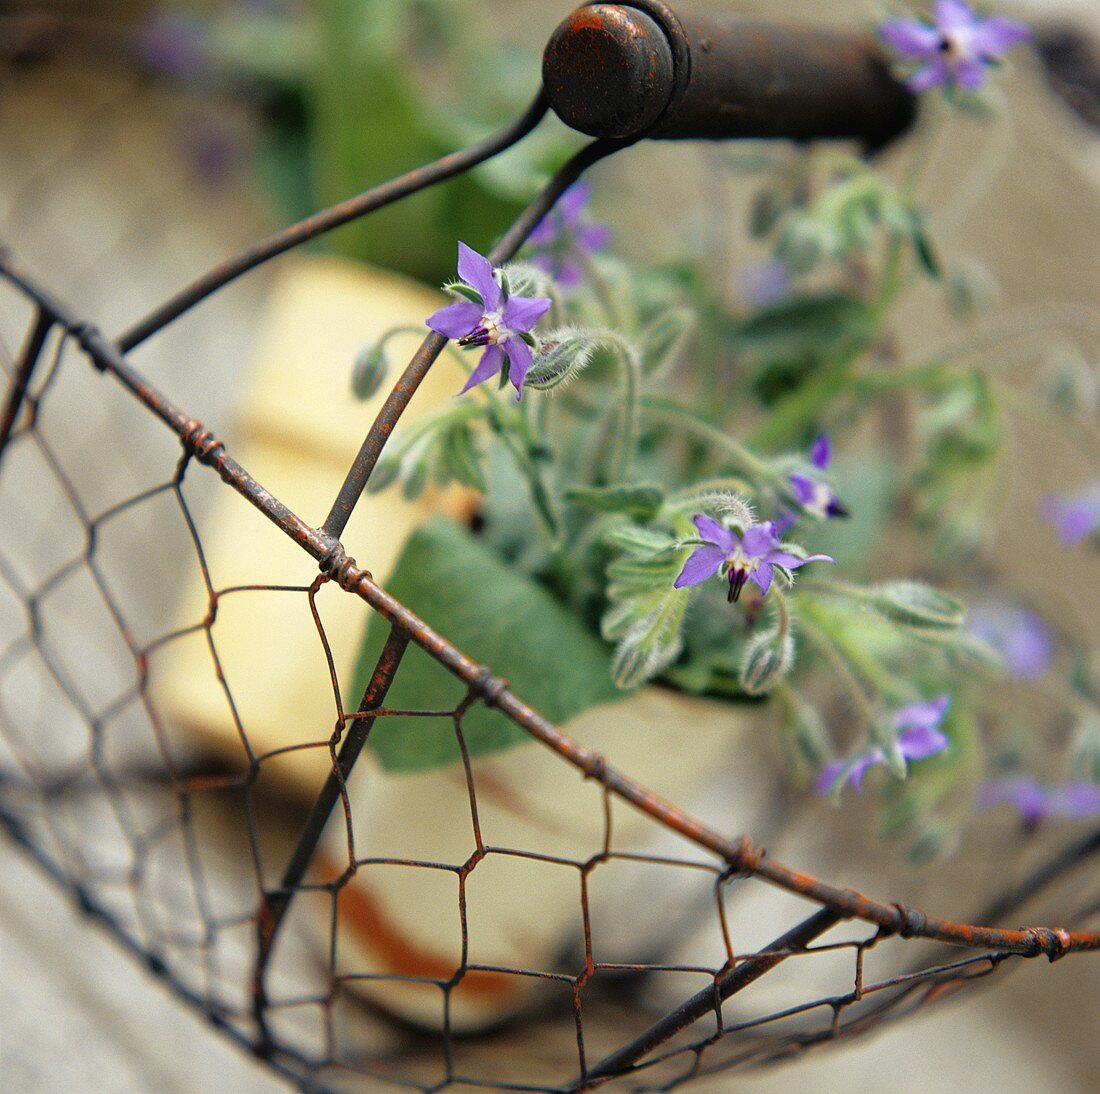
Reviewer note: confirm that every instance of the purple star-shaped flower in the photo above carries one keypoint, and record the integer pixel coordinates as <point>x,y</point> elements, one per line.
<point>1021,637</point>
<point>957,49</point>
<point>1034,802</point>
<point>751,556</point>
<point>497,323</point>
<point>567,235</point>
<point>815,496</point>
<point>1075,516</point>
<point>918,734</point>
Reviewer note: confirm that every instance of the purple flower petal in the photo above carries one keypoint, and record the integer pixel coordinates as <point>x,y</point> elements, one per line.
<point>565,235</point>
<point>455,320</point>
<point>713,532</point>
<point>521,313</point>
<point>995,36</point>
<point>1075,518</point>
<point>1022,638</point>
<point>1025,795</point>
<point>573,202</point>
<point>784,522</point>
<point>970,74</point>
<point>544,233</point>
<point>1034,802</point>
<point>594,237</point>
<point>519,361</point>
<point>762,577</point>
<point>910,38</point>
<point>862,766</point>
<point>703,562</point>
<point>922,715</point>
<point>920,742</point>
<point>759,540</point>
<point>568,274</point>
<point>805,489</point>
<point>822,452</point>
<point>850,773</point>
<point>492,361</point>
<point>477,271</point>
<point>827,779</point>
<point>934,74</point>
<point>952,15</point>
<point>792,562</point>
<point>1076,800</point>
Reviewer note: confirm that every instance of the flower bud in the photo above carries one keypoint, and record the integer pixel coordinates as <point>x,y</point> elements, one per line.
<point>768,659</point>
<point>370,371</point>
<point>565,355</point>
<point>913,604</point>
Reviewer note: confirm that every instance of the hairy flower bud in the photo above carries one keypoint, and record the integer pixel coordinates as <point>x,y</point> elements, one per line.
<point>768,659</point>
<point>566,353</point>
<point>912,604</point>
<point>370,371</point>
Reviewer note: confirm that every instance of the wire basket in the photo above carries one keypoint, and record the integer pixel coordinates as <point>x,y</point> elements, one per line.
<point>241,905</point>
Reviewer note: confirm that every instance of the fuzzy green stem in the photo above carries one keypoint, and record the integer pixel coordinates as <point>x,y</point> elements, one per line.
<point>852,686</point>
<point>625,439</point>
<point>754,466</point>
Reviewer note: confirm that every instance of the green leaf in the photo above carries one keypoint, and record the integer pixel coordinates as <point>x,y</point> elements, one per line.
<point>786,343</point>
<point>643,541</point>
<point>926,254</point>
<point>796,326</point>
<point>386,472</point>
<point>641,573</point>
<point>624,613</point>
<point>499,617</point>
<point>642,501</point>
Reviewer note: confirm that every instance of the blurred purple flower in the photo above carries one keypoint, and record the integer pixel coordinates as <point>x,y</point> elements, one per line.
<point>765,283</point>
<point>813,495</point>
<point>1074,516</point>
<point>173,44</point>
<point>497,323</point>
<point>1034,802</point>
<point>957,48</point>
<point>1022,638</point>
<point>751,556</point>
<point>566,236</point>
<point>918,735</point>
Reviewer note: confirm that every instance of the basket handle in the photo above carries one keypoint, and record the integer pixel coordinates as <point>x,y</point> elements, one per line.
<point>636,69</point>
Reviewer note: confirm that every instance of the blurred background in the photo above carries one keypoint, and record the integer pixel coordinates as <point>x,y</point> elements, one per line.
<point>141,144</point>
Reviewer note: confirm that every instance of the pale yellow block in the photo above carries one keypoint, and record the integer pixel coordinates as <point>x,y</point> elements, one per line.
<point>297,430</point>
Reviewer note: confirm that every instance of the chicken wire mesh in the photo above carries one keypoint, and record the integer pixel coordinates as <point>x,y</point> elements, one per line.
<point>276,921</point>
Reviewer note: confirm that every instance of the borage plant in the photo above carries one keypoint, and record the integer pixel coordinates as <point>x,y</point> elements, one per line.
<point>657,476</point>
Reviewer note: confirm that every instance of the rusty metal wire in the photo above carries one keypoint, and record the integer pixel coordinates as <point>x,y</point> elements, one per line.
<point>196,868</point>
